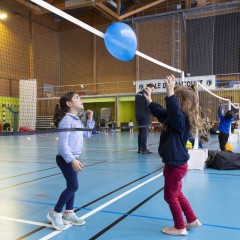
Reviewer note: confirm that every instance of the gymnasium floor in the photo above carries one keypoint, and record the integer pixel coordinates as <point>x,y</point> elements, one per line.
<point>120,193</point>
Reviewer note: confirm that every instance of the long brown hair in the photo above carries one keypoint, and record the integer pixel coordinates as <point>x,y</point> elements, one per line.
<point>189,103</point>
<point>62,108</point>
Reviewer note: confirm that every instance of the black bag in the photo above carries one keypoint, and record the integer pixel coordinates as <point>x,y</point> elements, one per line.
<point>213,130</point>
<point>222,160</point>
<point>6,127</point>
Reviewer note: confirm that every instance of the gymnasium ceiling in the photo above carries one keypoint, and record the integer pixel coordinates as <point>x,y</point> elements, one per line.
<point>113,10</point>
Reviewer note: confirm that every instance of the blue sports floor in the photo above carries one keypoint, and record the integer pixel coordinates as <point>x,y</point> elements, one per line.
<point>120,194</point>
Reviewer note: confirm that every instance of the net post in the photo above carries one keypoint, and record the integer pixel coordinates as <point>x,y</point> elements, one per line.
<point>196,140</point>
<point>197,132</point>
<point>229,105</point>
<point>183,76</point>
<point>230,128</point>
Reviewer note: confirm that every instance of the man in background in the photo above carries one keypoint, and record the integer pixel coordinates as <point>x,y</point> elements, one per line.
<point>143,119</point>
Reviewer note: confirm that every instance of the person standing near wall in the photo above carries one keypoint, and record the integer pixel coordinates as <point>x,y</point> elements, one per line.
<point>224,126</point>
<point>143,118</point>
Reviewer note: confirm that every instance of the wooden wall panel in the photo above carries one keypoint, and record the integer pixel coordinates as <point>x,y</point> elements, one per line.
<point>14,44</point>
<point>76,57</point>
<point>45,57</point>
<point>110,69</point>
<point>156,42</point>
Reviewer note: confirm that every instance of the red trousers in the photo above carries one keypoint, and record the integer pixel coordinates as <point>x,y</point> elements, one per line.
<point>173,195</point>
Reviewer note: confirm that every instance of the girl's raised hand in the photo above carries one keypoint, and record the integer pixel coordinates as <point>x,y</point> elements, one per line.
<point>170,84</point>
<point>148,95</point>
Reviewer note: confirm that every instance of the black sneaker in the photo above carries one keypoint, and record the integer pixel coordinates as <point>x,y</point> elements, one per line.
<point>146,151</point>
<point>139,150</point>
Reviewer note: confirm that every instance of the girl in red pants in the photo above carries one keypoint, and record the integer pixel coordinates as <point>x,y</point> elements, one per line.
<point>179,119</point>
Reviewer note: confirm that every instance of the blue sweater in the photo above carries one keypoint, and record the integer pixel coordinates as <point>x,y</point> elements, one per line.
<point>172,146</point>
<point>224,125</point>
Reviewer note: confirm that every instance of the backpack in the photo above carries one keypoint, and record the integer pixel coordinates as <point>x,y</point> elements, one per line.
<point>222,160</point>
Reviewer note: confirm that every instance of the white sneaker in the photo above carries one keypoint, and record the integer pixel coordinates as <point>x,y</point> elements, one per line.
<point>56,220</point>
<point>174,231</point>
<point>72,218</point>
<point>194,224</point>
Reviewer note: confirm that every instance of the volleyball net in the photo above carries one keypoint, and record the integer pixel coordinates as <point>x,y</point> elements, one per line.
<point>51,57</point>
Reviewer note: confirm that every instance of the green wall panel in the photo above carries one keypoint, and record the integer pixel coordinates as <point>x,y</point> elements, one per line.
<point>98,100</point>
<point>126,111</point>
<point>125,108</point>
<point>10,117</point>
<point>96,106</point>
<point>126,98</point>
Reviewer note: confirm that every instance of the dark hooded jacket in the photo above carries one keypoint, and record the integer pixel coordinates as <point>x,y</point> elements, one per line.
<point>172,146</point>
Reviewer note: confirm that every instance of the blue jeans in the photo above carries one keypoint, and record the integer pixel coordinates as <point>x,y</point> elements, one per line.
<point>68,195</point>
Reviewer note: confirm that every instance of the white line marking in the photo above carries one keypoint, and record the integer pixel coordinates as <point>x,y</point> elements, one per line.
<point>25,221</point>
<point>104,205</point>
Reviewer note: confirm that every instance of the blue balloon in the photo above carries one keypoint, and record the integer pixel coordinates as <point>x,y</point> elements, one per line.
<point>121,41</point>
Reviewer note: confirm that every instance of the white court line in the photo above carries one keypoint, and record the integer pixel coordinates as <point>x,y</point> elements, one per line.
<point>25,221</point>
<point>104,205</point>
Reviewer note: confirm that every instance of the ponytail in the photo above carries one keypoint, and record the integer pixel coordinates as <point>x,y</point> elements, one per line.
<point>58,115</point>
<point>62,108</point>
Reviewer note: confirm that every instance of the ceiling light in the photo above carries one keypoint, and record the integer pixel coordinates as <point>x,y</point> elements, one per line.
<point>3,15</point>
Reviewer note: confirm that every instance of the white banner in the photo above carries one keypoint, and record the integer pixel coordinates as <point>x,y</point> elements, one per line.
<point>160,86</point>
